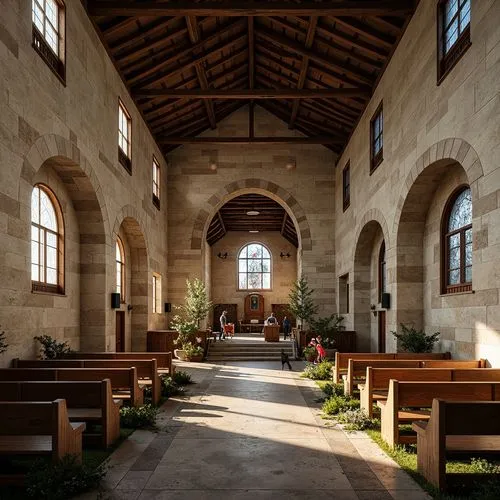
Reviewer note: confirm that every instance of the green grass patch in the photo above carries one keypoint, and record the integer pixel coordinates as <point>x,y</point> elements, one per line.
<point>338,404</point>
<point>321,371</point>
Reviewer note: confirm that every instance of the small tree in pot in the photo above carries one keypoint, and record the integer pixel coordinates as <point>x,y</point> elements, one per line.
<point>301,303</point>
<point>413,340</point>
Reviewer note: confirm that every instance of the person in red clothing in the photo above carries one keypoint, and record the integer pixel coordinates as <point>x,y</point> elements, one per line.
<point>320,350</point>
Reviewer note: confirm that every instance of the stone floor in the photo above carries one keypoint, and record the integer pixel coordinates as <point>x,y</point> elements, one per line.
<point>247,430</point>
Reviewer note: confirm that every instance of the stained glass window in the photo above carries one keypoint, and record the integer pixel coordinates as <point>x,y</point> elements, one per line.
<point>458,242</point>
<point>254,267</point>
<point>45,241</point>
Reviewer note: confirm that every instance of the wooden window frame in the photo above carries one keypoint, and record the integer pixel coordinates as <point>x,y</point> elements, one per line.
<point>463,286</point>
<point>246,258</point>
<point>446,61</point>
<point>376,158</point>
<point>121,246</point>
<point>55,61</point>
<point>42,286</point>
<point>156,183</point>
<point>125,157</point>
<point>382,271</point>
<point>346,186</point>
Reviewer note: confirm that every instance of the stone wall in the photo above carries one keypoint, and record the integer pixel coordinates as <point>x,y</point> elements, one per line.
<point>224,271</point>
<point>434,137</point>
<point>67,137</point>
<point>196,192</point>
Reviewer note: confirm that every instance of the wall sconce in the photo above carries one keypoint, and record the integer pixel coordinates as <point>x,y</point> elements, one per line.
<point>374,310</point>
<point>285,255</point>
<point>130,307</point>
<point>222,255</point>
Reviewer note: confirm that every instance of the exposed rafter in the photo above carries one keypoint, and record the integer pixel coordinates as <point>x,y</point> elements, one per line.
<point>250,8</point>
<point>251,140</point>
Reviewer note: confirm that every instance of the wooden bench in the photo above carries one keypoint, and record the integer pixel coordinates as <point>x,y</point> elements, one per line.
<point>420,395</point>
<point>455,426</point>
<point>89,402</point>
<point>38,428</point>
<point>377,381</point>
<point>147,369</point>
<point>356,369</point>
<point>164,359</point>
<point>342,359</point>
<point>124,381</point>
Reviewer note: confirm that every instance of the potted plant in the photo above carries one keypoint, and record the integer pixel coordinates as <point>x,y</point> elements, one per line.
<point>301,303</point>
<point>50,348</point>
<point>413,340</point>
<point>326,327</point>
<point>193,352</point>
<point>185,328</point>
<point>310,353</point>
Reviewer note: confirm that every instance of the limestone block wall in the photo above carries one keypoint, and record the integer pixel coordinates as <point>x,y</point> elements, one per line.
<point>196,192</point>
<point>224,272</point>
<point>68,137</point>
<point>430,131</point>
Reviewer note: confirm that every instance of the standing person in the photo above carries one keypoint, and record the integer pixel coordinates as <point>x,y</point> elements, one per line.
<point>285,359</point>
<point>223,323</point>
<point>272,320</point>
<point>320,350</point>
<point>286,327</point>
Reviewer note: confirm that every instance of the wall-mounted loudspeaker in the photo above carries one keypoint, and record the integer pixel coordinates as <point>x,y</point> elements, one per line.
<point>168,307</point>
<point>386,301</point>
<point>115,301</point>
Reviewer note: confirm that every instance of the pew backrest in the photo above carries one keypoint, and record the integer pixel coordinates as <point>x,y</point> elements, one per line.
<point>164,359</point>
<point>479,374</point>
<point>473,363</point>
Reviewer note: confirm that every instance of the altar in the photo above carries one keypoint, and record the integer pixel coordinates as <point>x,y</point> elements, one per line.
<point>251,327</point>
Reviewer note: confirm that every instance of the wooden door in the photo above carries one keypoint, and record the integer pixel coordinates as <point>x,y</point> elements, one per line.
<point>381,331</point>
<point>120,331</point>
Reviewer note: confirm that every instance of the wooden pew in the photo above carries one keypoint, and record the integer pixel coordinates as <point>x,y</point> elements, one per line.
<point>377,381</point>
<point>38,428</point>
<point>124,381</point>
<point>342,359</point>
<point>356,369</point>
<point>420,395</point>
<point>455,426</point>
<point>164,359</point>
<point>89,402</point>
<point>147,369</point>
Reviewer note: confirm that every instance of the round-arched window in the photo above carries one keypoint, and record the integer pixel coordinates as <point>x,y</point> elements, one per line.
<point>457,235</point>
<point>46,241</point>
<point>254,267</point>
<point>120,269</point>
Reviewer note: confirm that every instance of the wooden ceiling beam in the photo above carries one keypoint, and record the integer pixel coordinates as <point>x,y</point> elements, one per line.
<point>311,31</point>
<point>221,221</point>
<point>250,8</point>
<point>251,53</point>
<point>245,94</point>
<point>367,31</point>
<point>124,23</point>
<point>250,140</point>
<point>346,73</point>
<point>194,36</point>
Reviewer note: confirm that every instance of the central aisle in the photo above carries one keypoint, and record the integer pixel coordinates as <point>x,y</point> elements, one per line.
<point>249,430</point>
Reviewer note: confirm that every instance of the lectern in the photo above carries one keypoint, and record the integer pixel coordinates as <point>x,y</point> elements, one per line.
<point>272,333</point>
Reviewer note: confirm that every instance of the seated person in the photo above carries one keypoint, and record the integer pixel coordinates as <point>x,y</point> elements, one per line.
<point>271,320</point>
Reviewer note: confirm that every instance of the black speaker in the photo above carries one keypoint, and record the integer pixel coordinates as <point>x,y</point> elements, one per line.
<point>115,301</point>
<point>168,307</point>
<point>386,301</point>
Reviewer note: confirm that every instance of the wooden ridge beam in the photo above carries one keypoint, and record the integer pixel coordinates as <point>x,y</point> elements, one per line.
<point>250,8</point>
<point>243,94</point>
<point>251,140</point>
<point>311,31</point>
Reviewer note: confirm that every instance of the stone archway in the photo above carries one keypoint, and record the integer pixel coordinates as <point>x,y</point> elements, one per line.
<point>260,186</point>
<point>78,176</point>
<point>133,226</point>
<point>416,196</point>
<point>371,226</point>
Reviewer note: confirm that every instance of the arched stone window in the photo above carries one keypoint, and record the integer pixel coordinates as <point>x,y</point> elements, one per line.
<point>47,241</point>
<point>382,272</point>
<point>254,267</point>
<point>457,242</point>
<point>120,269</point>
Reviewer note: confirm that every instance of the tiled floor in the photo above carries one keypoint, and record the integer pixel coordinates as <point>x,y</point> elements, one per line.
<point>248,430</point>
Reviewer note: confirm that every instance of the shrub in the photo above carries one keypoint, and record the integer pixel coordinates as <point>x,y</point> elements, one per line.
<point>192,350</point>
<point>310,353</point>
<point>138,417</point>
<point>356,420</point>
<point>182,378</point>
<point>169,387</point>
<point>51,348</point>
<point>337,404</point>
<point>413,340</point>
<point>65,479</point>
<point>331,389</point>
<point>3,343</point>
<point>321,371</point>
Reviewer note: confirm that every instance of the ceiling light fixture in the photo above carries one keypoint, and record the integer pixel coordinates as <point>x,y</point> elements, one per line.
<point>253,212</point>
<point>253,231</point>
